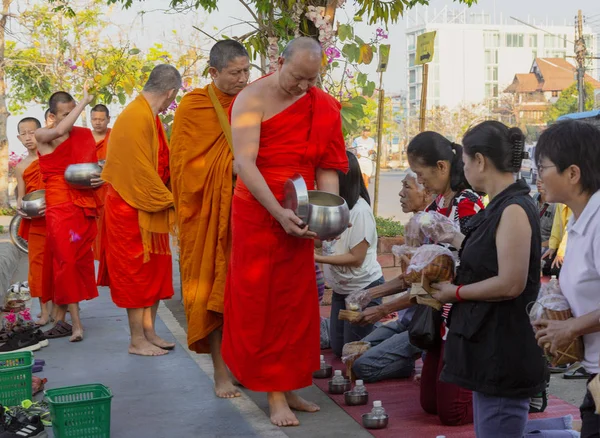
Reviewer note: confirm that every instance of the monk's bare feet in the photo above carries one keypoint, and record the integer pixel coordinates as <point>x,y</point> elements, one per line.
<point>224,387</point>
<point>281,414</point>
<point>77,335</point>
<point>153,338</point>
<point>299,404</point>
<point>142,347</point>
<point>43,320</point>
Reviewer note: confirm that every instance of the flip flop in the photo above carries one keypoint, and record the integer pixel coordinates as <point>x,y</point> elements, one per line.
<point>577,373</point>
<point>60,330</point>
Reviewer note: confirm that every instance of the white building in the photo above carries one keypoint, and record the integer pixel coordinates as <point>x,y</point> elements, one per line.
<point>476,56</point>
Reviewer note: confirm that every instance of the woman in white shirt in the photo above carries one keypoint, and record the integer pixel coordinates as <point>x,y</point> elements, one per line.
<point>568,162</point>
<point>351,261</point>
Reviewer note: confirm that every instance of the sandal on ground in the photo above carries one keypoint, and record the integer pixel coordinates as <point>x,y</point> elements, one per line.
<point>577,373</point>
<point>60,330</point>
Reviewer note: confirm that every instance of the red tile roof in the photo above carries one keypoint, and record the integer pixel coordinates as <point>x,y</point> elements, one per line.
<point>551,74</point>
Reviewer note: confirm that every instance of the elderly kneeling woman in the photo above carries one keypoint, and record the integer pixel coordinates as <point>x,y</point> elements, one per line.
<point>568,162</point>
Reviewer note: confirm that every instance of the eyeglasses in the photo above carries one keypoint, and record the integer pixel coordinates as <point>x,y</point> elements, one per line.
<point>542,168</point>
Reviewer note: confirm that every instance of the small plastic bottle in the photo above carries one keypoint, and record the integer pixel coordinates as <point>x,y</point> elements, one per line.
<point>359,389</point>
<point>338,378</point>
<point>323,363</point>
<point>377,412</point>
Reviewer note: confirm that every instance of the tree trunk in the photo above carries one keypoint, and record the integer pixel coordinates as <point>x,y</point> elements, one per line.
<point>4,154</point>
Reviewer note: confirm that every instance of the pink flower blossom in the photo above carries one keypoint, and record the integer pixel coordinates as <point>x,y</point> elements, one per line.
<point>381,33</point>
<point>11,317</point>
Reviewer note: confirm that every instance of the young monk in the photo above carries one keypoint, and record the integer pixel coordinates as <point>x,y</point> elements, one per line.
<point>100,118</point>
<point>139,215</point>
<point>202,182</point>
<point>281,125</point>
<point>29,179</point>
<point>70,213</point>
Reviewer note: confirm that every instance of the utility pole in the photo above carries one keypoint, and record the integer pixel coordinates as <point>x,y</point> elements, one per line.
<point>580,55</point>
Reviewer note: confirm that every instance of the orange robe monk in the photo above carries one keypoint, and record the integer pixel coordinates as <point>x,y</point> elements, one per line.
<point>101,148</point>
<point>71,214</point>
<point>138,214</point>
<point>271,327</point>
<point>201,165</point>
<point>34,232</point>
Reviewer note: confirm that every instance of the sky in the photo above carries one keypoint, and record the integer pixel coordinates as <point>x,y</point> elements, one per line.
<point>146,23</point>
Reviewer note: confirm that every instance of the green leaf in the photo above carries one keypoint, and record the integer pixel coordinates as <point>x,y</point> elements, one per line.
<point>345,31</point>
<point>359,40</point>
<point>361,79</point>
<point>134,51</point>
<point>351,52</point>
<point>122,98</point>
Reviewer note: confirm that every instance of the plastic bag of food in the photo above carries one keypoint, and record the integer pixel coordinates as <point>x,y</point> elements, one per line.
<point>413,235</point>
<point>353,350</point>
<point>434,262</point>
<point>404,253</point>
<point>437,227</point>
<point>356,301</point>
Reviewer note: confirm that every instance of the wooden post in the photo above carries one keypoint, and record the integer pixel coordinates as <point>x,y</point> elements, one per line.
<point>423,109</point>
<point>380,112</point>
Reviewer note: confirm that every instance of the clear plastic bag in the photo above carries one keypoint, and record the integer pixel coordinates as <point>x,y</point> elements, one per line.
<point>353,350</point>
<point>550,298</point>
<point>413,235</point>
<point>358,300</point>
<point>325,339</point>
<point>437,227</point>
<point>426,254</point>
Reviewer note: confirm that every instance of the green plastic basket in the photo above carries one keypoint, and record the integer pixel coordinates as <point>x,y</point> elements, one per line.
<point>15,377</point>
<point>80,411</point>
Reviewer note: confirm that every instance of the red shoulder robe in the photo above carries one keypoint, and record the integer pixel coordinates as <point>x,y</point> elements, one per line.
<point>71,223</point>
<point>34,231</point>
<point>101,149</point>
<point>271,318</point>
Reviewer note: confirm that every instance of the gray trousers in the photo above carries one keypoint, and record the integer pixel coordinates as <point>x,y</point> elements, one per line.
<point>391,355</point>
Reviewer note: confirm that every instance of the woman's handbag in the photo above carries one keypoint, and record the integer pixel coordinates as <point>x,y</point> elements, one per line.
<point>424,330</point>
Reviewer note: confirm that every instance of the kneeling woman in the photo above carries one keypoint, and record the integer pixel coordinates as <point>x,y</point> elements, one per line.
<point>351,261</point>
<point>491,348</point>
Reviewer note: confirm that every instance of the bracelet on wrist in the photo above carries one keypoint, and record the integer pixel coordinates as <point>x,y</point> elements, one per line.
<point>458,297</point>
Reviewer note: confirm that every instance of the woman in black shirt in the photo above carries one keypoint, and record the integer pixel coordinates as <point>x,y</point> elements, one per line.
<point>491,348</point>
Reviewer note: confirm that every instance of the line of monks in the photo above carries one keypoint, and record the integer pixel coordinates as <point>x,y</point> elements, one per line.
<point>247,264</point>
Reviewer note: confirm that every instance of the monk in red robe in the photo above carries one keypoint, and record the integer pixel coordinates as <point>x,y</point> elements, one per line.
<point>100,118</point>
<point>71,213</point>
<point>33,230</point>
<point>135,255</point>
<point>202,182</point>
<point>281,125</point>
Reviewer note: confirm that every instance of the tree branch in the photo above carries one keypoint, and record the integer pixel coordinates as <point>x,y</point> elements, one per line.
<point>258,20</point>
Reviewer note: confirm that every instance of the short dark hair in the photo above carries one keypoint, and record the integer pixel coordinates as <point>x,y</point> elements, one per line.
<point>163,77</point>
<point>352,185</point>
<point>430,147</point>
<point>100,108</point>
<point>223,52</point>
<point>573,143</point>
<point>504,146</point>
<point>29,119</point>
<point>59,97</point>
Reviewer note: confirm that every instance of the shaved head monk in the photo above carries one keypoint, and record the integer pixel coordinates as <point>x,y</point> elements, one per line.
<point>202,182</point>
<point>281,125</point>
<point>138,214</point>
<point>33,230</point>
<point>68,276</point>
<point>100,119</point>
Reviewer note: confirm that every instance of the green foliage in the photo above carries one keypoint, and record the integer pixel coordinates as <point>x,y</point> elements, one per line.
<point>1,229</point>
<point>7,211</point>
<point>388,227</point>
<point>567,102</point>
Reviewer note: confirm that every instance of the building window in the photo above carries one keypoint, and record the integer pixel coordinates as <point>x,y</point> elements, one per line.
<point>533,41</point>
<point>491,90</point>
<point>491,57</point>
<point>555,41</point>
<point>411,60</point>
<point>411,41</point>
<point>491,74</point>
<point>412,76</point>
<point>491,39</point>
<point>534,54</point>
<point>514,40</point>
<point>555,93</point>
<point>412,93</point>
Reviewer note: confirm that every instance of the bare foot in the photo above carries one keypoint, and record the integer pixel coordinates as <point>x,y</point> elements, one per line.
<point>145,348</point>
<point>299,404</point>
<point>43,320</point>
<point>224,387</point>
<point>159,342</point>
<point>77,335</point>
<point>281,415</point>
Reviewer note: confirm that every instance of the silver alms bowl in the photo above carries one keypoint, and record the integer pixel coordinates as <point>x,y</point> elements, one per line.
<point>328,214</point>
<point>80,175</point>
<point>33,203</point>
